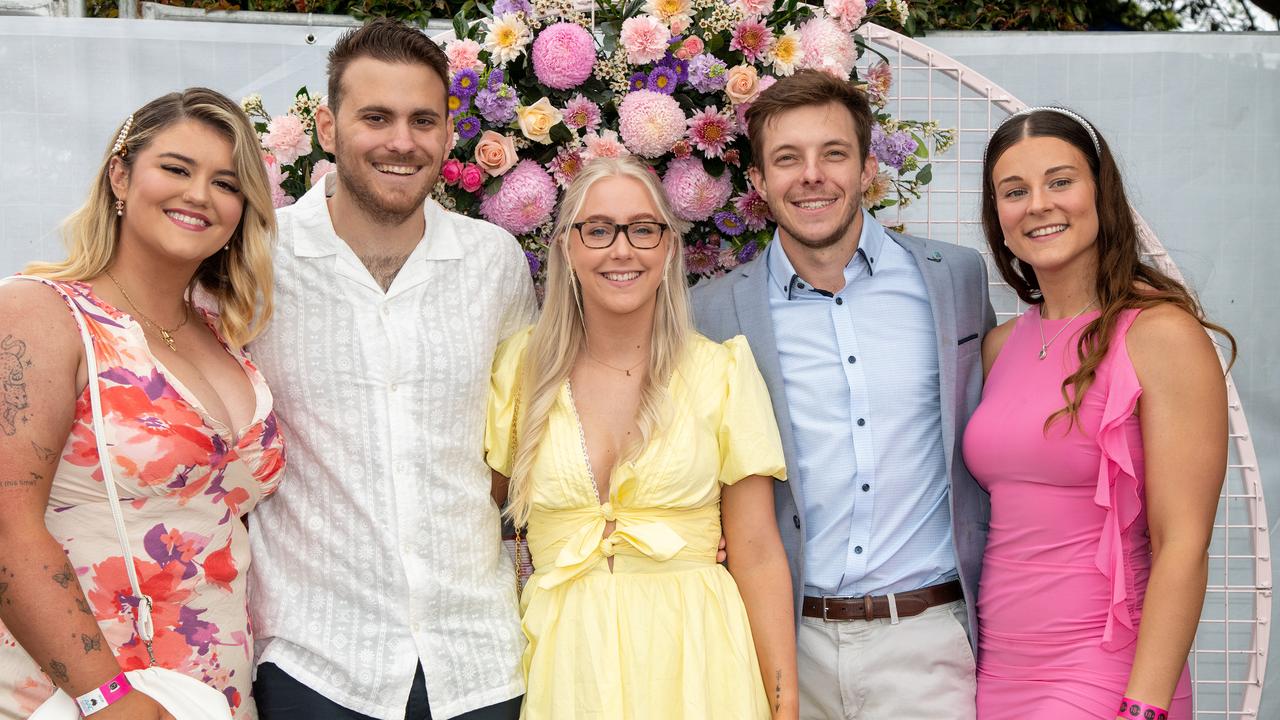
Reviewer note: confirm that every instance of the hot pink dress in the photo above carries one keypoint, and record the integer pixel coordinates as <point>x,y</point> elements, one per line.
<point>1068,554</point>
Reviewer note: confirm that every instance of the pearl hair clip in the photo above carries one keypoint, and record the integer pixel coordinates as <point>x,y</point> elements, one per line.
<point>119,148</point>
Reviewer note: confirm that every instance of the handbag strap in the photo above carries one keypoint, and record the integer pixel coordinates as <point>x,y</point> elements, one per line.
<point>142,615</point>
<point>515,419</point>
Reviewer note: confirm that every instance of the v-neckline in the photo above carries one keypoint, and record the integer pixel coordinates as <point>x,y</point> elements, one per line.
<point>582,445</point>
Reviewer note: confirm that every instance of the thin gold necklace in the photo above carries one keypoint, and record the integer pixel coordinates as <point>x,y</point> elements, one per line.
<point>165,333</point>
<point>1044,346</point>
<point>627,371</point>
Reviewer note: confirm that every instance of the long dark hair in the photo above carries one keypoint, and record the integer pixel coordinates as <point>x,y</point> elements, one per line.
<point>1123,281</point>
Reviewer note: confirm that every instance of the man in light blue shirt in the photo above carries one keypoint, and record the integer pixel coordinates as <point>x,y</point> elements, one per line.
<point>869,341</point>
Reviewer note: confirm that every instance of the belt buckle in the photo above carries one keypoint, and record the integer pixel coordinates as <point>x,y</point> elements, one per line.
<point>825,607</point>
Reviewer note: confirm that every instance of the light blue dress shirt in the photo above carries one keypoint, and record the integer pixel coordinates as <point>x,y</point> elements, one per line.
<point>860,373</point>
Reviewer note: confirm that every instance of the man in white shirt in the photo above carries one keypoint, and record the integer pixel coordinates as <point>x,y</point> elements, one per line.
<point>379,587</point>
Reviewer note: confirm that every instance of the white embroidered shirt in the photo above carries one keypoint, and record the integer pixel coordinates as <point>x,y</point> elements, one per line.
<point>382,547</point>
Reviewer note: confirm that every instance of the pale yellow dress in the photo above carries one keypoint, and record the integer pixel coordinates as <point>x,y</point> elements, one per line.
<point>664,635</point>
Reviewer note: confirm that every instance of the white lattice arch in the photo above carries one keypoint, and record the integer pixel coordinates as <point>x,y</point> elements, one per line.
<point>1228,661</point>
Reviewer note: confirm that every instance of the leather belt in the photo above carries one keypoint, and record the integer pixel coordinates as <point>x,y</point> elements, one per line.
<point>873,607</point>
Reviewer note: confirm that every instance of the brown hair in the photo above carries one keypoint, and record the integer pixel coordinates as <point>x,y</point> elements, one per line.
<point>239,278</point>
<point>389,41</point>
<point>805,88</point>
<point>1123,280</point>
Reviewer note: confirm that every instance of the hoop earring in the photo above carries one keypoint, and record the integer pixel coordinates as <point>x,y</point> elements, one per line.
<point>119,208</point>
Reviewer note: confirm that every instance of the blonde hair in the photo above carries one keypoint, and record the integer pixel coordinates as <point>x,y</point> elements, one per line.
<point>560,333</point>
<point>239,278</point>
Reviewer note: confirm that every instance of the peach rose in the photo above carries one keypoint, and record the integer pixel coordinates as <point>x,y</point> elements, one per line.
<point>495,153</point>
<point>536,120</point>
<point>742,84</point>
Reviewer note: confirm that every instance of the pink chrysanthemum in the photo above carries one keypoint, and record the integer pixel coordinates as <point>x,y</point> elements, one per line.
<point>581,114</point>
<point>463,55</point>
<point>323,167</point>
<point>758,8</point>
<point>563,55</point>
<point>650,123</point>
<point>566,165</point>
<point>695,194</point>
<point>645,39</point>
<point>752,38</point>
<point>753,209</point>
<point>525,200</point>
<point>848,14</point>
<point>279,198</point>
<point>710,131</point>
<point>827,47</point>
<point>606,144</point>
<point>879,80</point>
<point>286,138</point>
<point>701,258</point>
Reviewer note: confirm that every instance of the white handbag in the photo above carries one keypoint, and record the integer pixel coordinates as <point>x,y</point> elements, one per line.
<point>185,697</point>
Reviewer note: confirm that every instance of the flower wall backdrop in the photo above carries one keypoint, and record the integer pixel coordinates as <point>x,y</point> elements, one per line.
<point>539,88</point>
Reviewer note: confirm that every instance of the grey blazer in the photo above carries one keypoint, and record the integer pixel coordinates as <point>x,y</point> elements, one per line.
<point>956,278</point>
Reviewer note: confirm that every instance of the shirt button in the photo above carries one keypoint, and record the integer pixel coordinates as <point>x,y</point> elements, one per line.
<point>415,627</point>
<point>852,359</point>
<point>800,285</point>
<point>861,422</point>
<point>393,387</point>
<point>385,311</point>
<point>857,549</point>
<point>796,520</point>
<point>866,487</point>
<point>839,301</point>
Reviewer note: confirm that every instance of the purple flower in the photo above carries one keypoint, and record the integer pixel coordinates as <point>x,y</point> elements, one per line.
<point>747,252</point>
<point>468,127</point>
<point>729,223</point>
<point>534,263</point>
<point>662,80</point>
<point>707,73</point>
<point>638,81</point>
<point>872,3</point>
<point>465,82</point>
<point>503,7</point>
<point>497,105</point>
<point>680,66</point>
<point>893,149</point>
<point>458,104</point>
<point>496,76</point>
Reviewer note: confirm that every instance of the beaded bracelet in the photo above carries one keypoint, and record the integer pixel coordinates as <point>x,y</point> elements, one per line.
<point>1139,709</point>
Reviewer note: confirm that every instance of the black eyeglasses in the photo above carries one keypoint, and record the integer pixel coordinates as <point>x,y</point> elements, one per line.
<point>599,234</point>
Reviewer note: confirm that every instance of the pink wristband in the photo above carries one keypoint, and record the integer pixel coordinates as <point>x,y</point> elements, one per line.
<point>104,695</point>
<point>1138,709</point>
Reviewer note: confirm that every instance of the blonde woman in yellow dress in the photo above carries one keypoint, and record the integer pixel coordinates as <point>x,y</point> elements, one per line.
<point>628,437</point>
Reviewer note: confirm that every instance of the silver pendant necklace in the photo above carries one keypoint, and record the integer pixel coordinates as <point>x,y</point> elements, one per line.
<point>1044,346</point>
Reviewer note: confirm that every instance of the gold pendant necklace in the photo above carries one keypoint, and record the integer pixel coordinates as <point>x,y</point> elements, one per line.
<point>165,333</point>
<point>626,371</point>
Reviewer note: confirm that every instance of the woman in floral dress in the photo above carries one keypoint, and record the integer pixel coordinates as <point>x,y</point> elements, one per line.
<point>169,271</point>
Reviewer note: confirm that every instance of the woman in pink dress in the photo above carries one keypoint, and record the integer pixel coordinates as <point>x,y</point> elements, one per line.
<point>181,203</point>
<point>1101,436</point>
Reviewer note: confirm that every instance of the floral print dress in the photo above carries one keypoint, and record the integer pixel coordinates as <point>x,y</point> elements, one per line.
<point>185,481</point>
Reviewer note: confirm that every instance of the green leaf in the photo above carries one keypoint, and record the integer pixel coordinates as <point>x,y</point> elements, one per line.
<point>715,167</point>
<point>560,133</point>
<point>493,185</point>
<point>925,175</point>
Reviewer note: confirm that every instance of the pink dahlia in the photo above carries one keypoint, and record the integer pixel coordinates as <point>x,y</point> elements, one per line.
<point>323,167</point>
<point>563,55</point>
<point>566,165</point>
<point>651,123</point>
<point>645,39</point>
<point>710,131</point>
<point>279,198</point>
<point>827,47</point>
<point>701,258</point>
<point>525,200</point>
<point>848,14</point>
<point>695,194</point>
<point>286,138</point>
<point>758,8</point>
<point>606,144</point>
<point>753,209</point>
<point>581,114</point>
<point>879,80</point>
<point>463,55</point>
<point>752,38</point>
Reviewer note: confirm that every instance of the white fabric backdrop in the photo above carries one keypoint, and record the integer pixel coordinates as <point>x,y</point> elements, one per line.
<point>1195,120</point>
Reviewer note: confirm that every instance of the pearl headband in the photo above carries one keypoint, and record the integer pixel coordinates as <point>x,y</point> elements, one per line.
<point>119,148</point>
<point>1097,147</point>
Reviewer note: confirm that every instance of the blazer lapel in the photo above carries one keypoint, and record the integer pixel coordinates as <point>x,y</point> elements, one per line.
<point>937,280</point>
<point>751,303</point>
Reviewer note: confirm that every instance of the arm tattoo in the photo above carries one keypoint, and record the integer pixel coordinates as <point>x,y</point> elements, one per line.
<point>13,362</point>
<point>4,588</point>
<point>58,671</point>
<point>84,606</point>
<point>44,453</point>
<point>777,690</point>
<point>65,576</point>
<point>31,481</point>
<point>91,644</point>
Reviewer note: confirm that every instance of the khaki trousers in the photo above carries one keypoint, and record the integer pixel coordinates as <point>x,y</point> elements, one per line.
<point>920,668</point>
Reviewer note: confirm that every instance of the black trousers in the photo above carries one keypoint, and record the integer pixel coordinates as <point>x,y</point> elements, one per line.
<point>280,697</point>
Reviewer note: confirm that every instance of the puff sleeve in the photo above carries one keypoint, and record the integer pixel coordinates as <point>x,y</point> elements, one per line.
<point>748,436</point>
<point>503,381</point>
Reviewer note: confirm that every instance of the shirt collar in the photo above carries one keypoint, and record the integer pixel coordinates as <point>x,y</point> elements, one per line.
<point>315,236</point>
<point>870,244</point>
